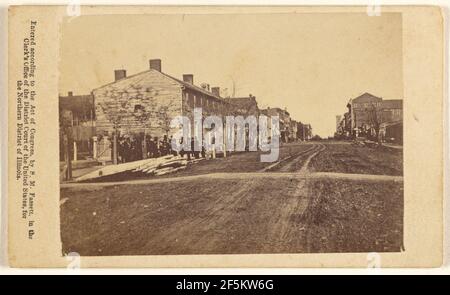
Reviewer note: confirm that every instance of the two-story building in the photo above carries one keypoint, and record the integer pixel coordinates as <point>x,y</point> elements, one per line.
<point>145,103</point>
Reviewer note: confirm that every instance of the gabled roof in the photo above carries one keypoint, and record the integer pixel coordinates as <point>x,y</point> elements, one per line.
<point>192,86</point>
<point>181,82</point>
<point>243,102</point>
<point>366,97</point>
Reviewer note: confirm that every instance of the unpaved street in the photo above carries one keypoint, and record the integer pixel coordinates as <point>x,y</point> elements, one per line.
<point>307,202</point>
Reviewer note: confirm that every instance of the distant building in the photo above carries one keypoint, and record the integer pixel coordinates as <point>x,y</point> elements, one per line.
<point>338,123</point>
<point>244,106</point>
<point>367,108</point>
<point>367,114</point>
<point>77,120</point>
<point>300,131</point>
<point>307,131</point>
<point>81,107</point>
<point>285,121</point>
<point>304,131</point>
<point>293,131</point>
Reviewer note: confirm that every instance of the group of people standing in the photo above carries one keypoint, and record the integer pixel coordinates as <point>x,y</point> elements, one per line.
<point>134,148</point>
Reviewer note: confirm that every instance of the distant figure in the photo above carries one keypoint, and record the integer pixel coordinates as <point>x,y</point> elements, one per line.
<point>164,146</point>
<point>152,148</point>
<point>138,151</point>
<point>195,153</point>
<point>126,150</point>
<point>148,140</point>
<point>182,151</point>
<point>157,147</point>
<point>120,149</point>
<point>132,150</point>
<point>192,148</point>
<point>203,151</point>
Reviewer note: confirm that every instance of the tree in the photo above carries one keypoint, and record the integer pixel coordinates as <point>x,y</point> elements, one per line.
<point>162,114</point>
<point>374,118</point>
<point>121,105</point>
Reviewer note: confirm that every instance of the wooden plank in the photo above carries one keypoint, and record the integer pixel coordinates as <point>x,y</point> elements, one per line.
<point>114,169</point>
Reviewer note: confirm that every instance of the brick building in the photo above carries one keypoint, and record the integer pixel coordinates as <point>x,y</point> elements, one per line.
<point>367,113</point>
<point>367,108</point>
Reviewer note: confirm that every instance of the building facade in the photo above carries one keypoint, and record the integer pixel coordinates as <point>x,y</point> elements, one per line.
<point>145,103</point>
<point>293,131</point>
<point>370,116</point>
<point>304,131</point>
<point>284,119</point>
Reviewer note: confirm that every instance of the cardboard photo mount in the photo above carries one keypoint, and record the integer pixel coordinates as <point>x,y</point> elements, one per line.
<point>423,89</point>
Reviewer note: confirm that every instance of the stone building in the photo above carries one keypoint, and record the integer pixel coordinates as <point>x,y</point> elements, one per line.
<point>147,102</point>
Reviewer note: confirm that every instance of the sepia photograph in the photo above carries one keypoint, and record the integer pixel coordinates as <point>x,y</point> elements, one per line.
<point>255,133</point>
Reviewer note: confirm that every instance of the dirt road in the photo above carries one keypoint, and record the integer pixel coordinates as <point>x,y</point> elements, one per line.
<point>292,208</point>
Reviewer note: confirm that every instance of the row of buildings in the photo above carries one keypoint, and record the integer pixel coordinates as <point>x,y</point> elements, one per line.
<point>371,117</point>
<point>146,102</point>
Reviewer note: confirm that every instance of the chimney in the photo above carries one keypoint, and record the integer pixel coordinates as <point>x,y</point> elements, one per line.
<point>70,93</point>
<point>188,78</point>
<point>215,91</point>
<point>119,74</point>
<point>206,86</point>
<point>155,64</point>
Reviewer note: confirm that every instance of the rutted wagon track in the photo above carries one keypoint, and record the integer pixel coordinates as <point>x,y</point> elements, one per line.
<point>295,162</point>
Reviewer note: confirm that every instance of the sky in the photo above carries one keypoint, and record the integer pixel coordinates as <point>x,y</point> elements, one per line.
<point>309,63</point>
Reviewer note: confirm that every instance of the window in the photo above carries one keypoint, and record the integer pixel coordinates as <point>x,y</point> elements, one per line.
<point>138,107</point>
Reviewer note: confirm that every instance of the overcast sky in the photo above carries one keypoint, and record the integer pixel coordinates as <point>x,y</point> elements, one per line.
<point>312,64</point>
